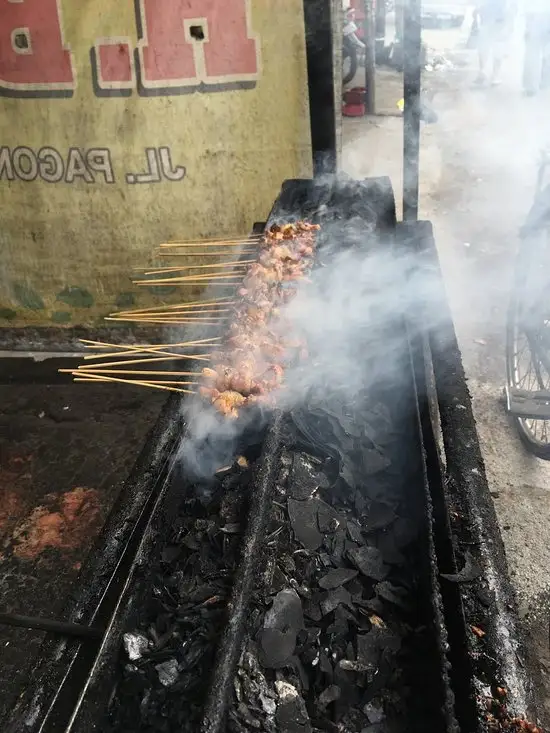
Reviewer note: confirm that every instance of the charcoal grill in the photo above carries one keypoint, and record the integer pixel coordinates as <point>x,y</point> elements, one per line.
<point>456,521</point>
<point>467,602</point>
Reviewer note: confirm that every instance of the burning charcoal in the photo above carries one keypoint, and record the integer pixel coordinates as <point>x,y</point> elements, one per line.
<point>333,599</point>
<point>135,645</point>
<point>168,672</point>
<point>303,519</point>
<point>328,696</point>
<point>369,562</point>
<point>337,577</point>
<point>291,713</point>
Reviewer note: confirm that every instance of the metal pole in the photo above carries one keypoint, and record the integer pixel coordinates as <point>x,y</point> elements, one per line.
<point>412,75</point>
<point>320,76</point>
<point>369,27</point>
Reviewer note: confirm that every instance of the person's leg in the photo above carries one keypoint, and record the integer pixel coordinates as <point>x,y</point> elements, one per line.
<point>532,58</point>
<point>483,53</point>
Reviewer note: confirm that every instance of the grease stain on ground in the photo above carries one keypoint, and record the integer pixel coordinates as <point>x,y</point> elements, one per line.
<point>64,522</point>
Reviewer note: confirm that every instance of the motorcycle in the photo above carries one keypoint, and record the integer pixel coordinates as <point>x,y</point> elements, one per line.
<point>353,48</point>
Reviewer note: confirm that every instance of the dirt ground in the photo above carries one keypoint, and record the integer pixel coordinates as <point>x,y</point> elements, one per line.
<point>477,171</point>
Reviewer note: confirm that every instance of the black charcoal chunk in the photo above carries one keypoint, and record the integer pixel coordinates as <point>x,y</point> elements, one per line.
<point>291,715</point>
<point>282,623</point>
<point>303,520</point>
<point>329,520</point>
<point>379,516</point>
<point>329,695</point>
<point>337,577</point>
<point>305,477</point>
<point>375,461</point>
<point>370,562</point>
<point>277,648</point>
<point>334,598</point>
<point>393,594</point>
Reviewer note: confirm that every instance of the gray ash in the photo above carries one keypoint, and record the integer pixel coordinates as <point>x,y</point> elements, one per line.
<point>340,638</point>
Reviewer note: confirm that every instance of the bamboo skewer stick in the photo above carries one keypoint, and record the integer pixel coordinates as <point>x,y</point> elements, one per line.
<point>194,304</point>
<point>183,314</point>
<point>151,372</point>
<point>185,278</point>
<point>169,321</point>
<point>83,367</point>
<point>154,350</point>
<point>150,382</point>
<point>162,253</point>
<point>104,344</point>
<point>232,263</point>
<point>140,384</point>
<point>221,242</point>
<point>143,352</point>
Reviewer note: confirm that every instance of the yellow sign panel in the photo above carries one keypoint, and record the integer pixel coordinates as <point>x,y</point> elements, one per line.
<point>123,125</point>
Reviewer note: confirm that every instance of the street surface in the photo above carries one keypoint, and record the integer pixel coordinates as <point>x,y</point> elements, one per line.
<point>477,172</point>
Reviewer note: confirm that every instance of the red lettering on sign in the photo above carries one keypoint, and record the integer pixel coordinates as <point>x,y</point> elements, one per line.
<point>33,60</point>
<point>188,42</point>
<point>112,65</point>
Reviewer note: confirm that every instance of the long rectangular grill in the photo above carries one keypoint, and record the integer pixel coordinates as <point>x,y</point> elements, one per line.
<point>322,610</point>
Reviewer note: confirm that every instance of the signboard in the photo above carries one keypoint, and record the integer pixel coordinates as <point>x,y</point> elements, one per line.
<point>123,125</point>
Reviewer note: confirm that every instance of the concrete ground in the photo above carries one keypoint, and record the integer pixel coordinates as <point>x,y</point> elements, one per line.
<point>477,172</point>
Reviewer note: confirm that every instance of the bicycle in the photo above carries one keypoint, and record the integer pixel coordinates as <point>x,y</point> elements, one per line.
<point>528,326</point>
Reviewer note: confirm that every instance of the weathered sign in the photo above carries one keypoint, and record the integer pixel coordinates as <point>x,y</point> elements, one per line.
<point>123,125</point>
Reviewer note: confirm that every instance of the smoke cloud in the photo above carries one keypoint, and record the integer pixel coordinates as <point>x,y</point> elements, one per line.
<point>350,314</point>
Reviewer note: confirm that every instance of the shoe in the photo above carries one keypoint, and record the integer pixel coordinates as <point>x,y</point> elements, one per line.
<point>481,80</point>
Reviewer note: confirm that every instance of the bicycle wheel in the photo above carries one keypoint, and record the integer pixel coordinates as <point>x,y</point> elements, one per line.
<point>528,336</point>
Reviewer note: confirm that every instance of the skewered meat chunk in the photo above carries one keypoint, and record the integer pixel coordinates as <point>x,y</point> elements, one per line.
<point>249,368</point>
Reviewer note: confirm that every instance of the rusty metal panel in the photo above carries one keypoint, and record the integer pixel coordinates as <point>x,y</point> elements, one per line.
<point>123,125</point>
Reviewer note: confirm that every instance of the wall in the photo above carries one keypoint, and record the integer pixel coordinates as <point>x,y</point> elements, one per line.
<point>120,129</point>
